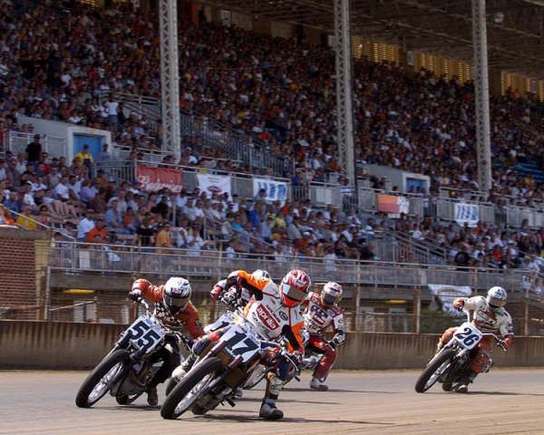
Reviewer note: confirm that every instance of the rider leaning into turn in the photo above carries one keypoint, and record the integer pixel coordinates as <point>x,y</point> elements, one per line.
<point>173,308</point>
<point>323,312</point>
<point>489,316</point>
<point>275,312</point>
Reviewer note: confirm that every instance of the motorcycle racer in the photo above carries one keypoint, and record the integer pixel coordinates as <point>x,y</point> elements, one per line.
<point>489,316</point>
<point>275,312</point>
<point>173,308</point>
<point>322,313</point>
<point>232,296</point>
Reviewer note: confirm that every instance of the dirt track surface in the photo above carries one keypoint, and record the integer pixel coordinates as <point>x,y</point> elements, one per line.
<point>504,401</point>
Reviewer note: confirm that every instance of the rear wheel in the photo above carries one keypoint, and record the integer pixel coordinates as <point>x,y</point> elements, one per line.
<point>432,373</point>
<point>101,379</point>
<point>188,390</point>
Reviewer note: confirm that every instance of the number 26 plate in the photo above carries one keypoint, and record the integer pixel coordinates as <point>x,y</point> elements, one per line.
<point>467,335</point>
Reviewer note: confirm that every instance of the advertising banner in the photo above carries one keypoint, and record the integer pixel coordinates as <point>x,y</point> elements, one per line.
<point>447,293</point>
<point>275,190</point>
<point>154,179</point>
<point>214,184</point>
<point>392,204</point>
<point>466,213</point>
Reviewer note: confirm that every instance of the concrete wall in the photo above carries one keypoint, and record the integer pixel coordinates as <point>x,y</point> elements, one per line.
<point>401,351</point>
<point>81,345</point>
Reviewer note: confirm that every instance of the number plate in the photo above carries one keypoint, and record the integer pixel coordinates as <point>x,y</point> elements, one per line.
<point>239,343</point>
<point>144,334</point>
<point>467,335</point>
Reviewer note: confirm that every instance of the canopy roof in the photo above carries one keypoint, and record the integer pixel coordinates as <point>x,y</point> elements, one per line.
<point>515,27</point>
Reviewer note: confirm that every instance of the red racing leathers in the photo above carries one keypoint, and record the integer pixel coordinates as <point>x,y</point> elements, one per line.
<point>317,319</point>
<point>185,321</point>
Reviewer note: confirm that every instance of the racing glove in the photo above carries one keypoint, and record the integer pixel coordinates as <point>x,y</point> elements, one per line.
<point>229,298</point>
<point>507,343</point>
<point>459,304</point>
<point>135,295</point>
<point>218,288</point>
<point>337,340</point>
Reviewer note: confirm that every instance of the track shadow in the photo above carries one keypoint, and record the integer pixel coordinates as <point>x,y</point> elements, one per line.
<point>502,393</point>
<point>341,390</point>
<point>255,417</point>
<point>282,400</point>
<point>127,408</point>
<point>482,393</point>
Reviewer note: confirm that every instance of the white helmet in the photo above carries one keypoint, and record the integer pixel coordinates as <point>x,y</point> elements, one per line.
<point>496,297</point>
<point>261,274</point>
<point>331,293</point>
<point>177,293</point>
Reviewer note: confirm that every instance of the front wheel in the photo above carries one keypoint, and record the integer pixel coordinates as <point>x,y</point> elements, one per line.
<point>100,380</point>
<point>188,390</point>
<point>432,373</point>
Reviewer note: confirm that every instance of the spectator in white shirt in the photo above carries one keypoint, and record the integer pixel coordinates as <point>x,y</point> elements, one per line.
<point>112,110</point>
<point>85,225</point>
<point>62,191</point>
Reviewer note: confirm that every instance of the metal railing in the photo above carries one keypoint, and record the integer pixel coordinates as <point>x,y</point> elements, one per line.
<point>78,257</point>
<point>241,183</point>
<point>17,142</point>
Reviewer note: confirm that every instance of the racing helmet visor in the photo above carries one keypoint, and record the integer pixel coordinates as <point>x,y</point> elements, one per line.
<point>328,298</point>
<point>179,303</point>
<point>292,292</point>
<point>496,302</point>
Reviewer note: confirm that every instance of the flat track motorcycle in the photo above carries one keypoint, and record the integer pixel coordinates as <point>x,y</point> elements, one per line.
<point>126,370</point>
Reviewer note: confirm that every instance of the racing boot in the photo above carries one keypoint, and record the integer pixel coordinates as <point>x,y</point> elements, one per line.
<point>463,386</point>
<point>238,393</point>
<point>318,384</point>
<point>152,396</point>
<point>269,411</point>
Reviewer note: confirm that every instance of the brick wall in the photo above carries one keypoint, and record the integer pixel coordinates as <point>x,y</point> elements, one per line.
<point>21,276</point>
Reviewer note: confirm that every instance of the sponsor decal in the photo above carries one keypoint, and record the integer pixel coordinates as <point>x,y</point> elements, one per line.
<point>266,318</point>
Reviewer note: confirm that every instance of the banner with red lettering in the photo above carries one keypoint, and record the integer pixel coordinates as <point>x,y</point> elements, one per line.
<point>392,205</point>
<point>154,179</point>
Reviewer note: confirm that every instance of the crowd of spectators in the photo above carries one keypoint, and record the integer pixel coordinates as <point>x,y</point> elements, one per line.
<point>280,92</point>
<point>90,207</point>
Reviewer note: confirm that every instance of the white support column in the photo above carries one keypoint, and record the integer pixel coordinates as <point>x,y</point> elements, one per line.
<point>481,84</point>
<point>171,129</point>
<point>344,98</point>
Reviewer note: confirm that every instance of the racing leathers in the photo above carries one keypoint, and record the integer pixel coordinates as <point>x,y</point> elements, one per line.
<point>185,321</point>
<point>318,318</point>
<point>231,296</point>
<point>273,320</point>
<point>487,319</point>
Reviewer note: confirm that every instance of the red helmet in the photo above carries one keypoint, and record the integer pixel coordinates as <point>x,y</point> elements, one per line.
<point>294,287</point>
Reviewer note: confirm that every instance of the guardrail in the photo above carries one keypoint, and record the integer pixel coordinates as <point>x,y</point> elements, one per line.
<point>17,142</point>
<point>80,257</point>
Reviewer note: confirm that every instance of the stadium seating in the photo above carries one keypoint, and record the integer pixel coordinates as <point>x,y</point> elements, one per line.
<point>280,93</point>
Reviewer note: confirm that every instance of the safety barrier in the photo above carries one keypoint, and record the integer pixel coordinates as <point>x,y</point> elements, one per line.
<point>17,142</point>
<point>52,345</point>
<point>74,257</point>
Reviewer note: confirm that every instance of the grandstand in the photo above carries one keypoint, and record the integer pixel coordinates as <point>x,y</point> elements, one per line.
<point>257,177</point>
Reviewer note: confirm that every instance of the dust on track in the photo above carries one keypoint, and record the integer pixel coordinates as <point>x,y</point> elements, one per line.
<point>503,401</point>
